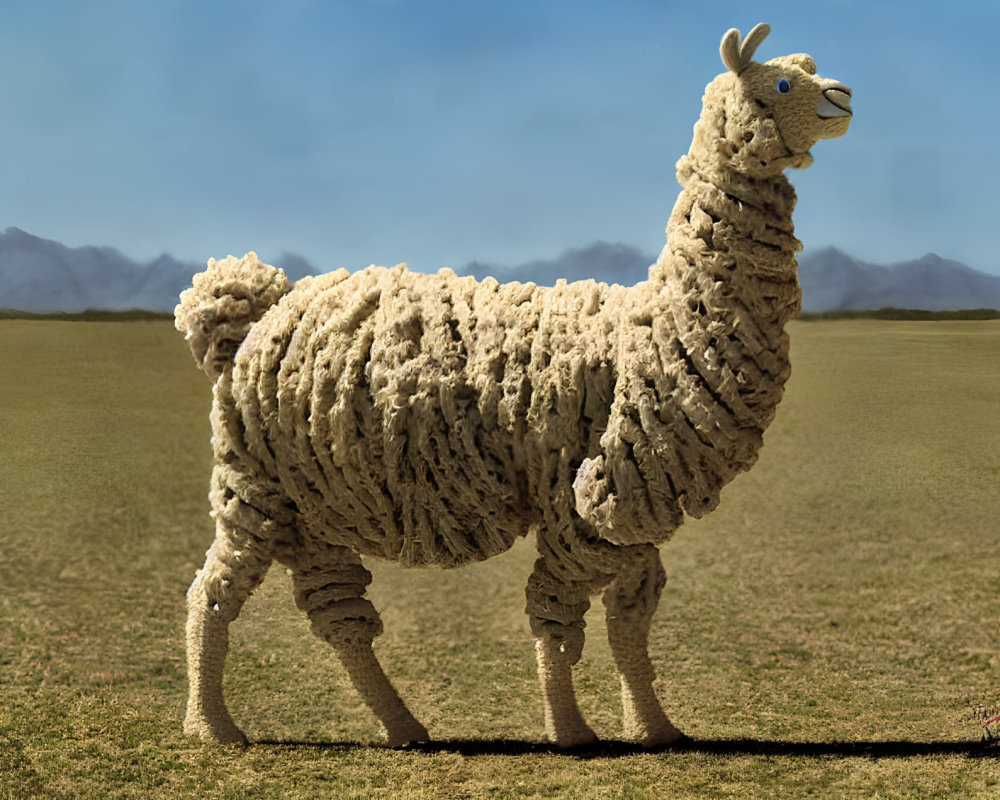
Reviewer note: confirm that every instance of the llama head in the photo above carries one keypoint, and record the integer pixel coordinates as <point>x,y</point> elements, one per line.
<point>763,118</point>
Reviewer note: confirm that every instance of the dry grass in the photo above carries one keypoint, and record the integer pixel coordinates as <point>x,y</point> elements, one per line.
<point>827,632</point>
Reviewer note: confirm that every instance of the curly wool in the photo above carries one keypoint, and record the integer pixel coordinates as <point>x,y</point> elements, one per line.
<point>422,419</point>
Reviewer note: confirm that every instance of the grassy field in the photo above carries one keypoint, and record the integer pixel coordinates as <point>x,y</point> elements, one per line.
<point>829,632</point>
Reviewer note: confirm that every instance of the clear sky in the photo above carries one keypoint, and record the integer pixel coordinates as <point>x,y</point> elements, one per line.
<point>441,131</point>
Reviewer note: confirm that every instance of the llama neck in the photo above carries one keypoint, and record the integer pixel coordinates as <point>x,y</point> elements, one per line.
<point>737,231</point>
<point>726,285</point>
<point>728,277</point>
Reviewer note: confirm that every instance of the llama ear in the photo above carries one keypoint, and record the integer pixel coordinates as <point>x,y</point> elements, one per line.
<point>737,52</point>
<point>752,42</point>
<point>730,50</point>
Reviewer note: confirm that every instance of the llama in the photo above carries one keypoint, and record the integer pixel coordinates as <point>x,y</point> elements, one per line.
<point>434,419</point>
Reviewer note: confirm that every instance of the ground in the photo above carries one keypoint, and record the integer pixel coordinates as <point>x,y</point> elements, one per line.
<point>829,631</point>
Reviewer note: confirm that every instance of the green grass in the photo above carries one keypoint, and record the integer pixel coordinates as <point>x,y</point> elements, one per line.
<point>827,632</point>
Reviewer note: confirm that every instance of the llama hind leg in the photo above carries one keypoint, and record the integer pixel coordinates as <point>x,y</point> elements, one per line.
<point>555,610</point>
<point>234,566</point>
<point>630,602</point>
<point>330,589</point>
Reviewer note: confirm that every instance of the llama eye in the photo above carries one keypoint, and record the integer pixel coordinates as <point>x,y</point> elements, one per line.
<point>784,86</point>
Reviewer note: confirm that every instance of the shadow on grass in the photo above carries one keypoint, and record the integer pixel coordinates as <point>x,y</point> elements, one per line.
<point>718,747</point>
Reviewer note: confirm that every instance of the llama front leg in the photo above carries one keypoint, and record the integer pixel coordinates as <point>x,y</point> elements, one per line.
<point>330,589</point>
<point>556,608</point>
<point>630,602</point>
<point>234,567</point>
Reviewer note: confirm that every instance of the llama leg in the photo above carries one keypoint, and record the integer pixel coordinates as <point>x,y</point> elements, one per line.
<point>330,589</point>
<point>556,609</point>
<point>234,567</point>
<point>630,602</point>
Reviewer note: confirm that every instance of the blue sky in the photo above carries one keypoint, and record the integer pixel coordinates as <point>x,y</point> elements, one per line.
<point>441,131</point>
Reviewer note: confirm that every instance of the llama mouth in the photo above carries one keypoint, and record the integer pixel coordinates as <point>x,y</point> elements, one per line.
<point>834,103</point>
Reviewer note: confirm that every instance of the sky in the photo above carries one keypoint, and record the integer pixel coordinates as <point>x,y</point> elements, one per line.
<point>439,132</point>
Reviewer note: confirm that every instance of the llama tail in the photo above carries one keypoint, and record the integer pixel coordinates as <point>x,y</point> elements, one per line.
<point>225,300</point>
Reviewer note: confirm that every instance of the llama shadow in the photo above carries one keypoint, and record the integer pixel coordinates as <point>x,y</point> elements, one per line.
<point>874,750</point>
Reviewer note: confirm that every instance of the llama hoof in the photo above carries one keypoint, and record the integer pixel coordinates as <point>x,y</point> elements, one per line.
<point>664,737</point>
<point>221,732</point>
<point>659,733</point>
<point>577,737</point>
<point>408,735</point>
<point>648,726</point>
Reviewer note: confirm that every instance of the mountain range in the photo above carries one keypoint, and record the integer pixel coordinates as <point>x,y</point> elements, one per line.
<point>41,275</point>
<point>832,281</point>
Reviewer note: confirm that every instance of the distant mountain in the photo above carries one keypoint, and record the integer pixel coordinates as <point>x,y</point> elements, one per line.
<point>41,275</point>
<point>612,263</point>
<point>832,281</point>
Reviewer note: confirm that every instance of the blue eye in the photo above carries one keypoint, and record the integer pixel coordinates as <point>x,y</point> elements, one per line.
<point>784,86</point>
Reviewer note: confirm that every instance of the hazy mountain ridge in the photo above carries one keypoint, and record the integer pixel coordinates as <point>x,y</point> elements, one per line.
<point>832,281</point>
<point>41,275</point>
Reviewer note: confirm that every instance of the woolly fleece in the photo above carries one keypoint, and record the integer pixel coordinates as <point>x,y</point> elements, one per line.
<point>434,419</point>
